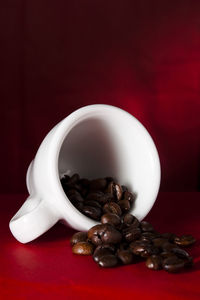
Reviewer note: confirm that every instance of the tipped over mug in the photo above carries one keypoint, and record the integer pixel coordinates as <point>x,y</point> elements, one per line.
<point>94,141</point>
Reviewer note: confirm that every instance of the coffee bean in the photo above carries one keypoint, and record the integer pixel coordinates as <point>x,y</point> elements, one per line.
<point>72,192</point>
<point>121,238</point>
<point>92,203</point>
<point>129,220</point>
<point>108,261</point>
<point>118,191</point>
<point>129,196</point>
<point>166,254</point>
<point>150,235</point>
<point>104,233</point>
<point>112,207</point>
<point>142,249</point>
<point>159,242</point>
<point>64,179</point>
<point>124,205</point>
<point>101,251</point>
<point>110,188</point>
<point>75,198</point>
<point>83,248</point>
<point>124,188</point>
<point>154,262</point>
<point>180,253</point>
<point>131,233</point>
<point>169,236</point>
<point>168,246</point>
<point>78,237</point>
<point>173,264</point>
<point>84,182</point>
<point>96,196</point>
<point>73,179</point>
<point>125,256</point>
<point>123,246</point>
<point>98,184</point>
<point>145,226</point>
<point>111,235</point>
<point>92,212</point>
<point>111,219</point>
<point>95,233</point>
<point>184,240</point>
<point>79,206</point>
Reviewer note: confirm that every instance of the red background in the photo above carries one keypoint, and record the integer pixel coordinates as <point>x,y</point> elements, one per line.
<point>143,56</point>
<point>56,56</point>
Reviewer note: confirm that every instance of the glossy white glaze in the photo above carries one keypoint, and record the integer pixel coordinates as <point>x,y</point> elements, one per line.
<point>94,141</point>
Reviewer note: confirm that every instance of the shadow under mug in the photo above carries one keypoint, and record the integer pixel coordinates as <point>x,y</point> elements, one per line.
<point>94,141</point>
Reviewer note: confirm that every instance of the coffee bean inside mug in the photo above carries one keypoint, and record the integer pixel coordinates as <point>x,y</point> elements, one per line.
<point>120,238</point>
<point>95,197</point>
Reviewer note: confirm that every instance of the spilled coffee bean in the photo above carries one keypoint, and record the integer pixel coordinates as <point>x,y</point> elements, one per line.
<point>120,238</point>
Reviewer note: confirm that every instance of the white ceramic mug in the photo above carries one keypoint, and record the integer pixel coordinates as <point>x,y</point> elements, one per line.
<point>94,141</point>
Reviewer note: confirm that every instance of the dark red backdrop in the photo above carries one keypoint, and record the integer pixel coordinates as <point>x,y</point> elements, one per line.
<point>143,56</point>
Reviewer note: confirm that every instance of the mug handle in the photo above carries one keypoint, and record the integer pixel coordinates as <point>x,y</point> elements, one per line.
<point>32,219</point>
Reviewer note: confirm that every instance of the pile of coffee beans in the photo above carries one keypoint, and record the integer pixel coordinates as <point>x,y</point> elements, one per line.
<point>120,238</point>
<point>95,197</point>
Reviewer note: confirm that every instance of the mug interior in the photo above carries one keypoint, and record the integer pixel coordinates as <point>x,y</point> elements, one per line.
<point>111,142</point>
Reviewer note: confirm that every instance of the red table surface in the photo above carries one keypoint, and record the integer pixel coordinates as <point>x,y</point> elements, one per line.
<point>47,269</point>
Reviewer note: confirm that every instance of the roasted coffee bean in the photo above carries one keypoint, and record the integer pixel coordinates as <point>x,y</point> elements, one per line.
<point>110,188</point>
<point>92,212</point>
<point>173,264</point>
<point>64,179</point>
<point>78,237</point>
<point>83,248</point>
<point>92,203</point>
<point>102,251</point>
<point>73,179</point>
<point>130,220</point>
<point>75,198</point>
<point>112,219</point>
<point>168,246</point>
<point>129,196</point>
<point>97,196</point>
<point>84,182</point>
<point>159,242</point>
<point>109,198</point>
<point>95,232</point>
<point>166,254</point>
<point>143,249</point>
<point>131,233</point>
<point>111,235</point>
<point>118,191</point>
<point>109,179</point>
<point>98,184</point>
<point>104,233</point>
<point>154,262</point>
<point>150,235</point>
<point>123,246</point>
<point>108,261</point>
<point>180,253</point>
<point>124,188</point>
<point>146,227</point>
<point>125,256</point>
<point>79,206</point>
<point>112,207</point>
<point>72,192</point>
<point>124,205</point>
<point>184,240</point>
<point>169,236</point>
